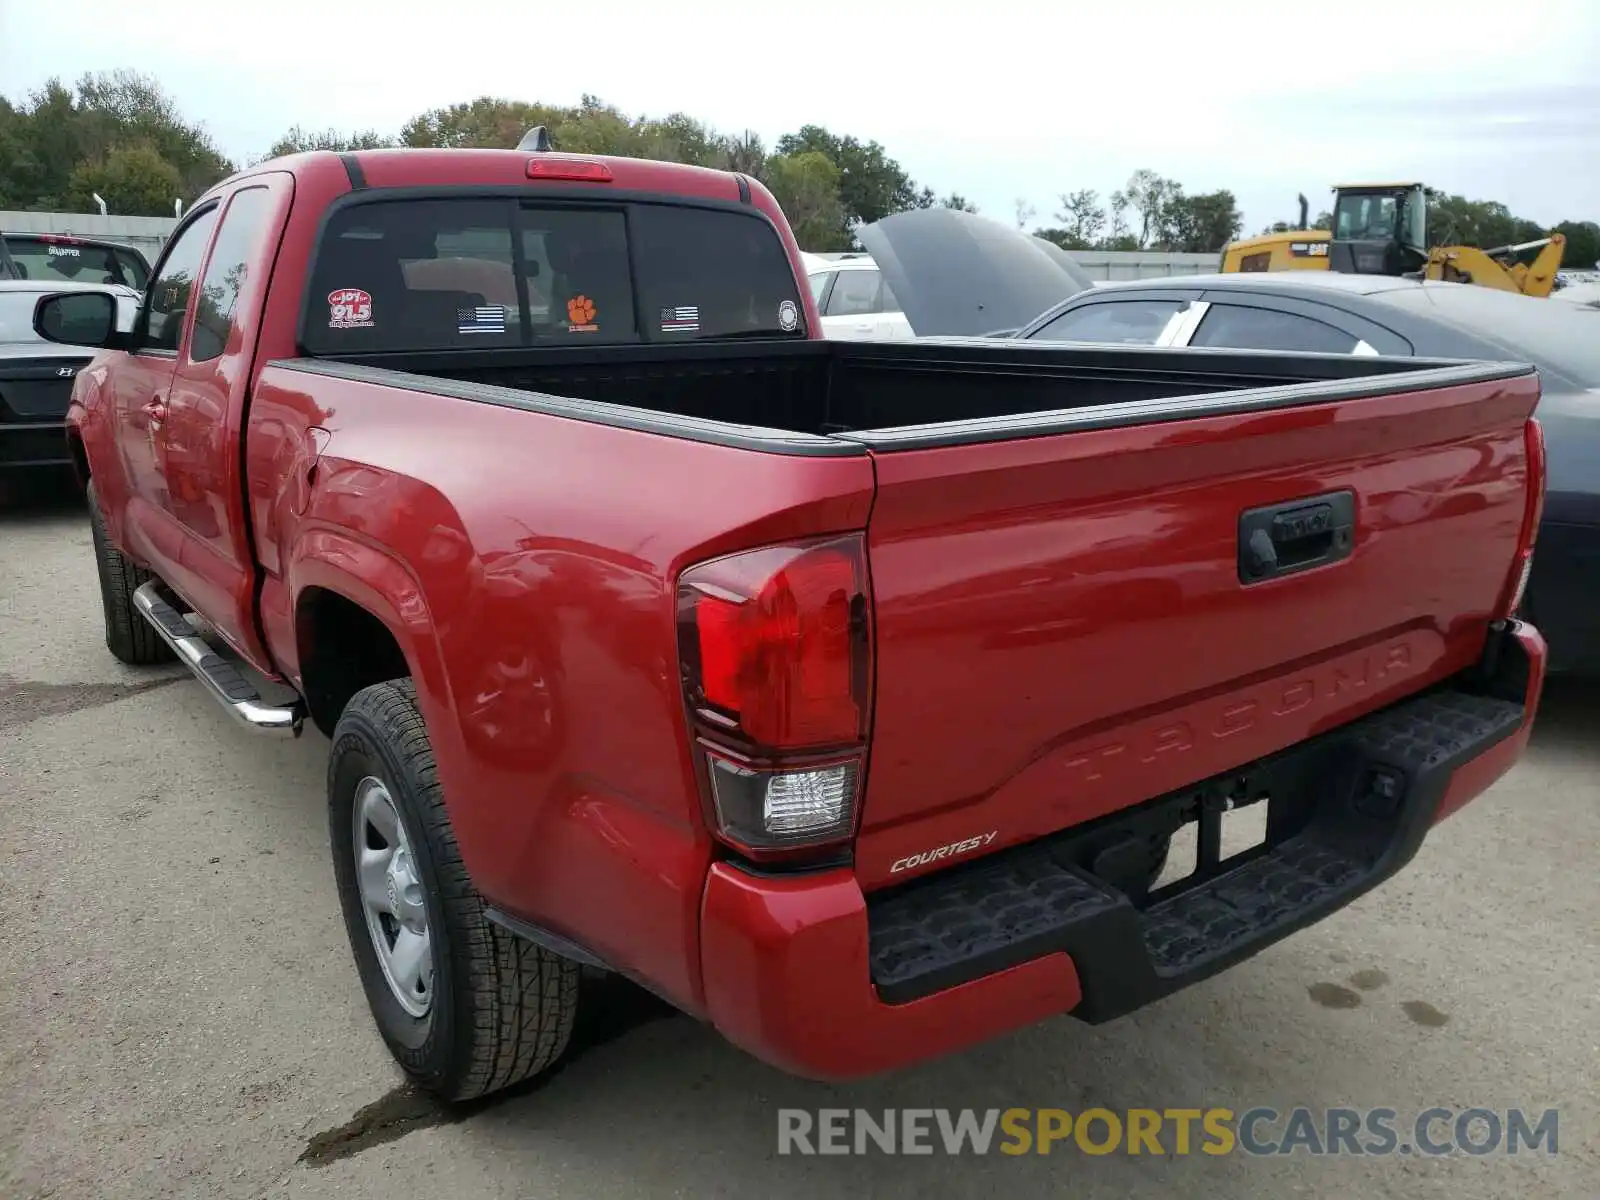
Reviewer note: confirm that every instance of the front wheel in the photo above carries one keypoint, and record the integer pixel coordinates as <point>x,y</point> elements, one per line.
<point>465,1007</point>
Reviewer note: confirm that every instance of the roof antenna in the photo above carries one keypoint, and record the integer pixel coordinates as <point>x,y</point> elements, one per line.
<point>537,138</point>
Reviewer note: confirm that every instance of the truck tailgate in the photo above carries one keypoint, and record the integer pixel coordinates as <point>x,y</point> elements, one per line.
<point>1063,622</point>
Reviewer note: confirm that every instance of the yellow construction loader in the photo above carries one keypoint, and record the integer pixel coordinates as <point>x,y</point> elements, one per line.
<point>1381,229</point>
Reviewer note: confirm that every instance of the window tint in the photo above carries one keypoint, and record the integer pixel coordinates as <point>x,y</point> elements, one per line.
<point>134,269</point>
<point>854,293</point>
<point>466,273</point>
<point>63,260</point>
<point>1553,335</point>
<point>819,285</point>
<point>415,275</point>
<point>174,281</point>
<point>241,230</point>
<point>1139,322</point>
<point>1243,328</point>
<point>1364,218</point>
<point>705,273</point>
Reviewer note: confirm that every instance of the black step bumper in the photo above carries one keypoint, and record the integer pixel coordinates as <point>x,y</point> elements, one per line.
<point>1347,809</point>
<point>33,444</point>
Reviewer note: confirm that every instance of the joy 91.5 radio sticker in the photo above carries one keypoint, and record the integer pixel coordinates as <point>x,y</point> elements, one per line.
<point>349,308</point>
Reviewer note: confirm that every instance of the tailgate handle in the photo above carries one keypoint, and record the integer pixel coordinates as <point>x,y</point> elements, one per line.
<point>1280,539</point>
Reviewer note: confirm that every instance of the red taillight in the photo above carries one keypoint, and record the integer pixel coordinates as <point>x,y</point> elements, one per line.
<point>776,656</point>
<point>1533,512</point>
<point>568,168</point>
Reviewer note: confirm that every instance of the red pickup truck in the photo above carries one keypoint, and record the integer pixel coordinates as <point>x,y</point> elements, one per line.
<point>848,696</point>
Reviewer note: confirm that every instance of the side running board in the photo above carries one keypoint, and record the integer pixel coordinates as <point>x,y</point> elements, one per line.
<point>222,679</point>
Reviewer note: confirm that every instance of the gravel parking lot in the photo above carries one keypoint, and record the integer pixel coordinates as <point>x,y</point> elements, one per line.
<point>179,1014</point>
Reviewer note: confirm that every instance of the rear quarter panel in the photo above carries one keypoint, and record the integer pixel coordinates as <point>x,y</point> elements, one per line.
<point>527,564</point>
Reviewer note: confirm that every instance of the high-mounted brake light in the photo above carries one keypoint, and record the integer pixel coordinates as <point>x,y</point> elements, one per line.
<point>775,646</point>
<point>568,168</point>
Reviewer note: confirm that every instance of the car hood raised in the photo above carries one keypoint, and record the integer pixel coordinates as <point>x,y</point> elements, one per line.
<point>957,274</point>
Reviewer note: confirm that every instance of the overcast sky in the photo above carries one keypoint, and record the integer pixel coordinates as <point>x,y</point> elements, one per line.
<point>994,100</point>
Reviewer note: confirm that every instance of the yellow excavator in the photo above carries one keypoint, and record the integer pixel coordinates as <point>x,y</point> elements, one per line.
<point>1381,229</point>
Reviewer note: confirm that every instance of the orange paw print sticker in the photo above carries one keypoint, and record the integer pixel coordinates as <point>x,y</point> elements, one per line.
<point>580,315</point>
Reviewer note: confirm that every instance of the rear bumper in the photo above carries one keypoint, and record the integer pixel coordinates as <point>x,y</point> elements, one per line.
<point>811,975</point>
<point>34,444</point>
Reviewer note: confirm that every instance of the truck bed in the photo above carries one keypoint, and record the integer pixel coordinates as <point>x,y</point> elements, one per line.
<point>969,388</point>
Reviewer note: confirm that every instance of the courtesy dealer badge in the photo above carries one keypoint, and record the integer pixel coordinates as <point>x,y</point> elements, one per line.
<point>349,308</point>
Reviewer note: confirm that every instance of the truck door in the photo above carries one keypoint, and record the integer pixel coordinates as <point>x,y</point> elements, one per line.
<point>201,465</point>
<point>144,383</point>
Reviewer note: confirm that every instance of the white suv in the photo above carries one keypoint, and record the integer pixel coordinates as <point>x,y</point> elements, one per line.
<point>854,299</point>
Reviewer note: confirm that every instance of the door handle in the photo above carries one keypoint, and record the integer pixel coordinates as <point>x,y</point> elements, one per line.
<point>1280,539</point>
<point>155,411</point>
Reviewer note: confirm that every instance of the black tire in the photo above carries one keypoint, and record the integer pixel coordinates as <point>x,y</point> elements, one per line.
<point>502,1008</point>
<point>129,637</point>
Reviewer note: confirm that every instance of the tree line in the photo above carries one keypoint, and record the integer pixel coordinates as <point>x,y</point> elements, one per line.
<point>118,135</point>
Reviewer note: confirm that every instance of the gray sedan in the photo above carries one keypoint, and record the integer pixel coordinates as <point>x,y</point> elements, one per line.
<point>1359,314</point>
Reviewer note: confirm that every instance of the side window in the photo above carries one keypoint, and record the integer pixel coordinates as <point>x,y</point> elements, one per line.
<point>134,269</point>
<point>887,301</point>
<point>1241,328</point>
<point>855,293</point>
<point>1136,322</point>
<point>168,298</point>
<point>225,273</point>
<point>819,285</point>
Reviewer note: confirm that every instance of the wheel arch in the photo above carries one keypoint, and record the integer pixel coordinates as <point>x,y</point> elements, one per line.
<point>358,613</point>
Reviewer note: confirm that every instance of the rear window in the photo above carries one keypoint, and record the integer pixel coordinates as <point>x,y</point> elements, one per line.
<point>452,274</point>
<point>60,260</point>
<point>1551,333</point>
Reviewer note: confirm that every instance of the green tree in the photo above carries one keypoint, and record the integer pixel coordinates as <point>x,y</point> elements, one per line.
<point>118,108</point>
<point>871,184</point>
<point>105,129</point>
<point>1083,220</point>
<point>1582,252</point>
<point>1199,224</point>
<point>806,185</point>
<point>958,202</point>
<point>298,140</point>
<point>488,121</point>
<point>1149,195</point>
<point>133,179</point>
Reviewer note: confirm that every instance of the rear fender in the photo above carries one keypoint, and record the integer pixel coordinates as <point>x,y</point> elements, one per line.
<point>372,578</point>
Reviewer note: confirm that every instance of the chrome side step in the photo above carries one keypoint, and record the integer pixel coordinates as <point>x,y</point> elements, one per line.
<point>222,679</point>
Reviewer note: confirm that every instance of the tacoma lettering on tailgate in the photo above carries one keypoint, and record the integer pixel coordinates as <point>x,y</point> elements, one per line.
<point>1279,699</point>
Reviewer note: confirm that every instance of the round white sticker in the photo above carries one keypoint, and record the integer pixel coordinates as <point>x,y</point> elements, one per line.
<point>788,316</point>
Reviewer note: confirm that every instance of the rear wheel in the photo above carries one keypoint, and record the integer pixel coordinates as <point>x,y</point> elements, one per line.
<point>465,1007</point>
<point>129,637</point>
